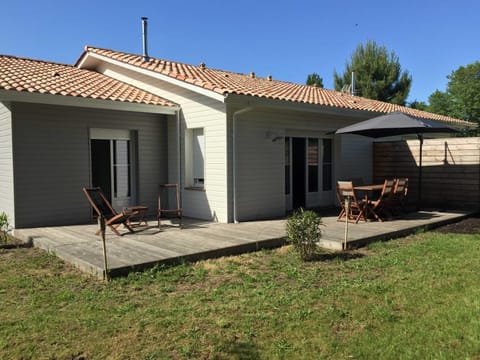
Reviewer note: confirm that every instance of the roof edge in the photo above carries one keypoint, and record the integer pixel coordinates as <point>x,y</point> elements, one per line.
<point>67,100</point>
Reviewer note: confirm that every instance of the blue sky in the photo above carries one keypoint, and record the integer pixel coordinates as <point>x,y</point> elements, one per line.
<point>287,39</point>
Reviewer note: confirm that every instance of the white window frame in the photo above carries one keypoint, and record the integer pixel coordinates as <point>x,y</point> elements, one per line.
<point>195,157</point>
<point>113,135</point>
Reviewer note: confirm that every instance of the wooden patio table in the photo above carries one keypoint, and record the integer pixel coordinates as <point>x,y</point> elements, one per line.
<point>367,189</point>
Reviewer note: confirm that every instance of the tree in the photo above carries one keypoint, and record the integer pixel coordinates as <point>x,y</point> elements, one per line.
<point>462,98</point>
<point>419,105</point>
<point>464,89</point>
<point>440,103</point>
<point>378,74</point>
<point>315,80</point>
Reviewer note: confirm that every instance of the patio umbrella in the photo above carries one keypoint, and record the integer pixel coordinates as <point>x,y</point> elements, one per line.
<point>398,123</point>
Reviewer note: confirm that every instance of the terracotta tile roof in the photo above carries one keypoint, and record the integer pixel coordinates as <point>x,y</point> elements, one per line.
<point>34,76</point>
<point>225,82</point>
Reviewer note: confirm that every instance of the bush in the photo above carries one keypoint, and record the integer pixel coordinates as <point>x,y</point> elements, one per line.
<point>4,227</point>
<point>303,232</point>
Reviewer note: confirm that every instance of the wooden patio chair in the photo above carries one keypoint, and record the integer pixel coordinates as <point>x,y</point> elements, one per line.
<point>356,211</point>
<point>399,196</point>
<point>102,207</point>
<point>382,205</point>
<point>169,203</point>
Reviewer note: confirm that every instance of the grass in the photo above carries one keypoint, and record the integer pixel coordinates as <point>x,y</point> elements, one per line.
<point>417,297</point>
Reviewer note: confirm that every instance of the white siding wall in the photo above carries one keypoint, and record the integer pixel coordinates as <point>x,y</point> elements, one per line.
<point>260,171</point>
<point>260,161</point>
<point>6,164</point>
<point>52,160</point>
<point>198,111</point>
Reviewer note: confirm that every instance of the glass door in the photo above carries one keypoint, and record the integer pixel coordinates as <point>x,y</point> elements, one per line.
<point>111,165</point>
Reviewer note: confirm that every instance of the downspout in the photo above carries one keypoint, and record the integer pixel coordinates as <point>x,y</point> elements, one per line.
<point>234,158</point>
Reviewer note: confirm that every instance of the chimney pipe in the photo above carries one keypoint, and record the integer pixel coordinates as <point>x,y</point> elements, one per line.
<point>144,38</point>
<point>353,83</point>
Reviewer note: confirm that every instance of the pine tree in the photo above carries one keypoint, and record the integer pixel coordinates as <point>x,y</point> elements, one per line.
<point>378,74</point>
<point>314,79</point>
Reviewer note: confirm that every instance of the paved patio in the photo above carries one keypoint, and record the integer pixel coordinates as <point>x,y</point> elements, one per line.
<point>199,240</point>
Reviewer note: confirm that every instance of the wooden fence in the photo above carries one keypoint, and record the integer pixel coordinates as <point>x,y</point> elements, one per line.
<point>451,170</point>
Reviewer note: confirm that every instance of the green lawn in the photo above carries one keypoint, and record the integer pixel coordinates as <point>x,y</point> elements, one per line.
<point>413,298</point>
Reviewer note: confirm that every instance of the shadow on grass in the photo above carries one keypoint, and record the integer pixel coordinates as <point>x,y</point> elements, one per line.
<point>241,350</point>
<point>15,246</point>
<point>14,243</point>
<point>336,256</point>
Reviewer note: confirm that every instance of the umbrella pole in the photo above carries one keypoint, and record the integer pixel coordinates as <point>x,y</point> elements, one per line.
<point>419,201</point>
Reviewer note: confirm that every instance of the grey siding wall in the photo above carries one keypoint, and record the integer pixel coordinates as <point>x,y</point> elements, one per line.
<point>52,160</point>
<point>6,164</point>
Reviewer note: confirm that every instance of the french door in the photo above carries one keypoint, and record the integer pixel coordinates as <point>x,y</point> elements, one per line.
<point>308,172</point>
<point>111,165</point>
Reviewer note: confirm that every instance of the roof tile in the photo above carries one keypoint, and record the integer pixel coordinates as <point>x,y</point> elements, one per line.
<point>225,82</point>
<point>34,76</point>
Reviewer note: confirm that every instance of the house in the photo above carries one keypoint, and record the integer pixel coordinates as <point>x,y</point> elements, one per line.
<point>242,147</point>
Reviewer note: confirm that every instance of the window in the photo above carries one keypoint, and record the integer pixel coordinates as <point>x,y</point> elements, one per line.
<point>327,164</point>
<point>195,157</point>
<point>312,165</point>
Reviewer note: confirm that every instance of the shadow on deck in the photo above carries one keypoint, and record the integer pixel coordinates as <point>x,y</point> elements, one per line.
<point>199,240</point>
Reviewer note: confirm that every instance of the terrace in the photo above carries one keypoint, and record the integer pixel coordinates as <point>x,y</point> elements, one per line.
<point>197,240</point>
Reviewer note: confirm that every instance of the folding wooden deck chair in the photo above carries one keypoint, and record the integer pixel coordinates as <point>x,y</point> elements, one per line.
<point>102,207</point>
<point>356,209</point>
<point>382,204</point>
<point>169,203</point>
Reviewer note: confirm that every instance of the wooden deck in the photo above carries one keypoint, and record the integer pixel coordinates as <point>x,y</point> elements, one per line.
<point>199,240</point>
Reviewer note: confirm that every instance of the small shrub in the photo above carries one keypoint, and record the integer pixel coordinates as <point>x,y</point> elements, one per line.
<point>4,227</point>
<point>303,232</point>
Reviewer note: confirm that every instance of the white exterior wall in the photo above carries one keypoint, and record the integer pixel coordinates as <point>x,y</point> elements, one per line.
<point>259,170</point>
<point>260,162</point>
<point>198,111</point>
<point>6,164</point>
<point>52,160</point>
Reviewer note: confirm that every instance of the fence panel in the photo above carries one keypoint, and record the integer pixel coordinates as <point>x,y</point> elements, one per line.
<point>450,167</point>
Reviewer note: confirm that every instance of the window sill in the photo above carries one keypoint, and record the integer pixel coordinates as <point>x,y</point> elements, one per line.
<point>194,188</point>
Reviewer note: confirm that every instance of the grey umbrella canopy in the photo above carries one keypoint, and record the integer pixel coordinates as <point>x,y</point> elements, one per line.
<point>395,123</point>
<point>398,123</point>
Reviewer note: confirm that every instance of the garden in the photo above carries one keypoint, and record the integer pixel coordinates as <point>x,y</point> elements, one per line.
<point>410,298</point>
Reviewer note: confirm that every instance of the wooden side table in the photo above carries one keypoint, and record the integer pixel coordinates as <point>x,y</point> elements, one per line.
<point>137,217</point>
